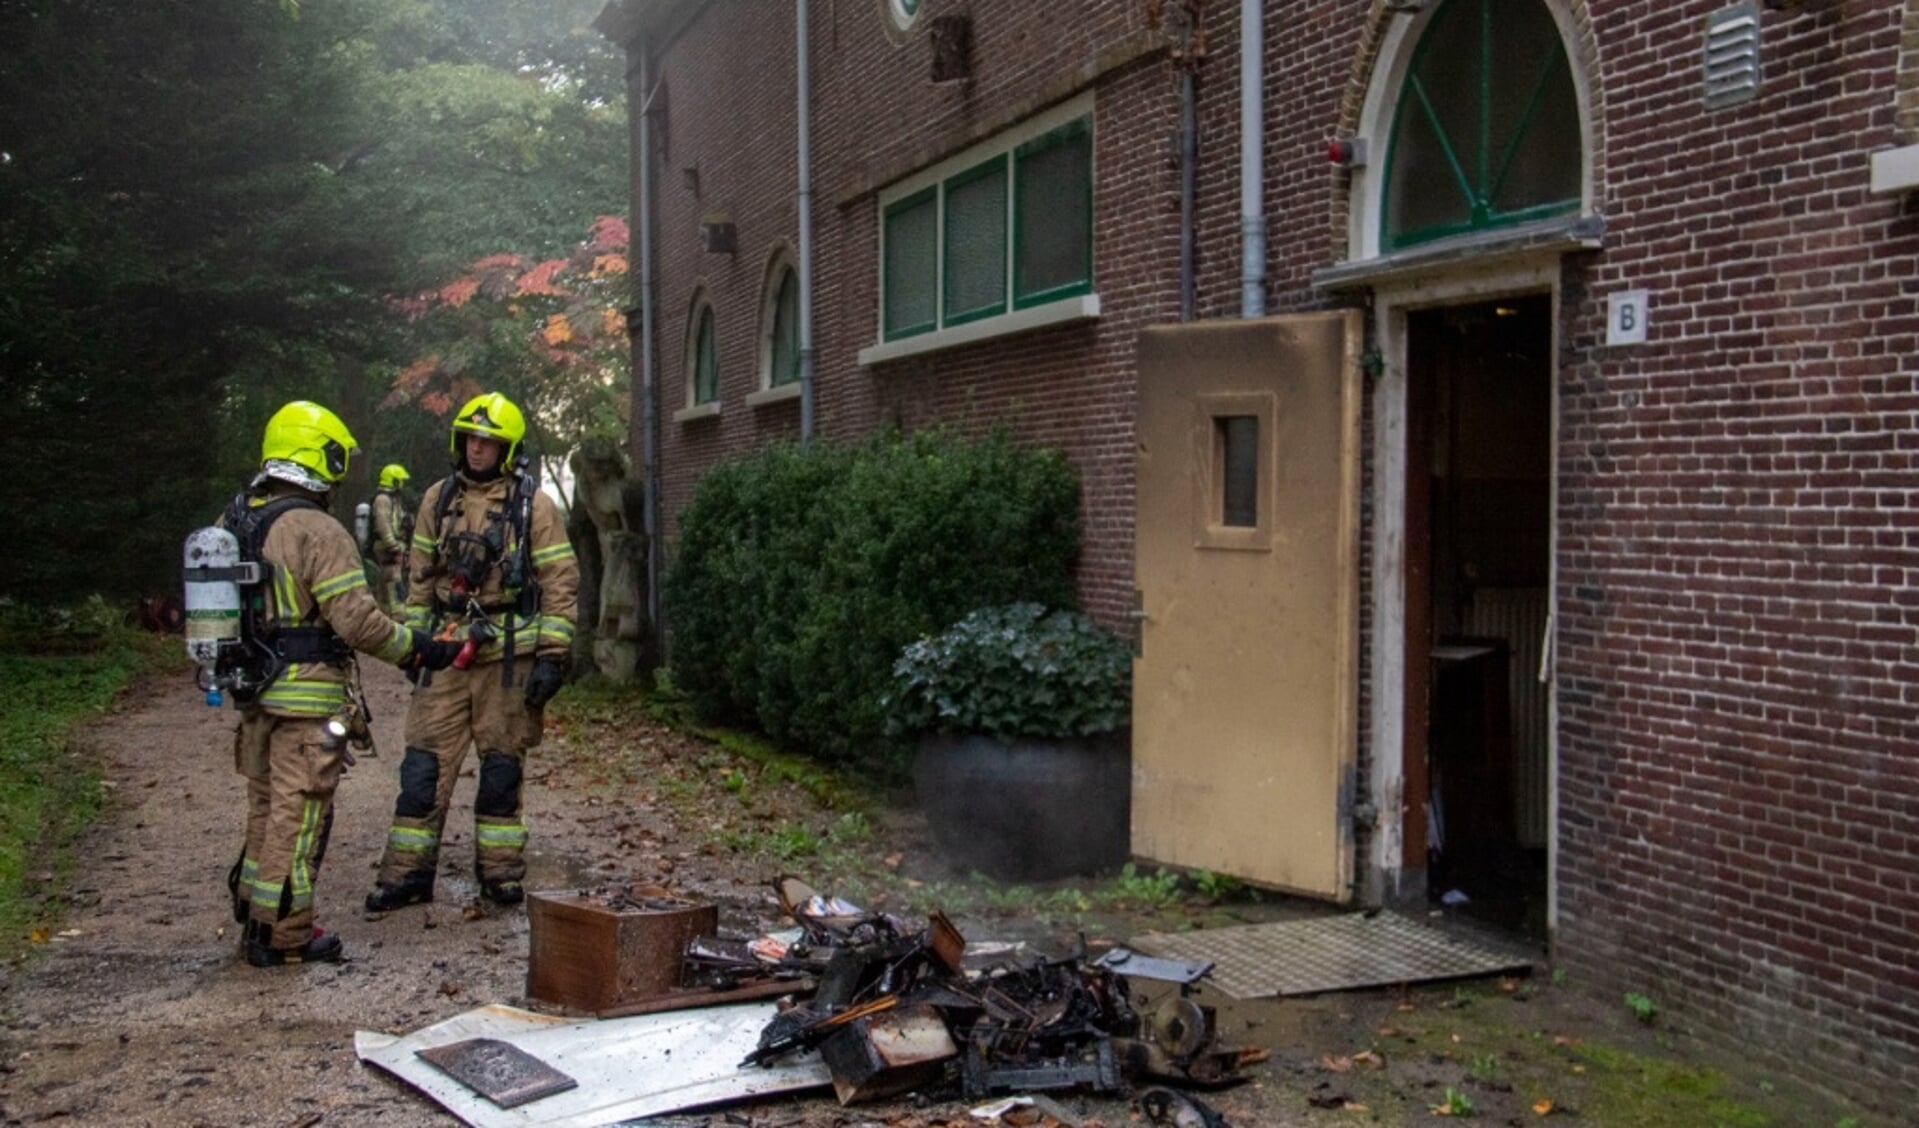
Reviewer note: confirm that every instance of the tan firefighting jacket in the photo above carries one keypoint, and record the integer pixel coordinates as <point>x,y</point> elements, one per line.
<point>312,562</point>
<point>389,526</point>
<point>480,509</point>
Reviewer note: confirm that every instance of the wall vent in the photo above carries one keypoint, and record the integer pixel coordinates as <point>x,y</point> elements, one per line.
<point>1732,55</point>
<point>952,39</point>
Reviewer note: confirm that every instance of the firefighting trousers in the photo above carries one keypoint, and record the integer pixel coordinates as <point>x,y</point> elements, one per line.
<point>291,774</point>
<point>388,592</point>
<point>455,710</point>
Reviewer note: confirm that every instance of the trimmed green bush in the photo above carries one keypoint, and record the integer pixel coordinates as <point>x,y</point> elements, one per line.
<point>1014,671</point>
<point>802,571</point>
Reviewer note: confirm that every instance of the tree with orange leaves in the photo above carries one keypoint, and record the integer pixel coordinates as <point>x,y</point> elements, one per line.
<point>547,331</point>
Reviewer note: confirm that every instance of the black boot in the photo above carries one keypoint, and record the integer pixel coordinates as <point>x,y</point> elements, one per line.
<point>502,892</point>
<point>416,889</point>
<point>321,947</point>
<point>233,891</point>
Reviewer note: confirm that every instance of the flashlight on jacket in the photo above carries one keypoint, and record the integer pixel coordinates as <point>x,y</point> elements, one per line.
<point>339,730</point>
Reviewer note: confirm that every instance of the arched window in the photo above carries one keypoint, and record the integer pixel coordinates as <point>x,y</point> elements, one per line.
<point>780,313</point>
<point>1486,130</point>
<point>702,356</point>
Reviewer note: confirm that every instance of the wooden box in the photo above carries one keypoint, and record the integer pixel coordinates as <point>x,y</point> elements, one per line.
<point>590,952</point>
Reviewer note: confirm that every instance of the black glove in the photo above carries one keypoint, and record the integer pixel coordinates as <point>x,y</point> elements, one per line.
<point>429,653</point>
<point>543,682</point>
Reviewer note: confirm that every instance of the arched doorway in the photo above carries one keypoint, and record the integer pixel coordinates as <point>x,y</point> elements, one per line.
<point>1480,113</point>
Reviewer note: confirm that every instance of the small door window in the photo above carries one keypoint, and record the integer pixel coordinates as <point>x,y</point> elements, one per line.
<point>1233,449</point>
<point>1237,440</point>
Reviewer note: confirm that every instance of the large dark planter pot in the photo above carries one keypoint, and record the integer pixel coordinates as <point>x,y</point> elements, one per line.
<point>1028,810</point>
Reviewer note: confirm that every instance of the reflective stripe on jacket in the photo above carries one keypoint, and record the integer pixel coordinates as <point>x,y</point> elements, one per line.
<point>315,567</point>
<point>548,632</point>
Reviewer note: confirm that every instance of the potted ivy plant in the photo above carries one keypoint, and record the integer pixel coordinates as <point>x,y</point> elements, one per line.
<point>1023,757</point>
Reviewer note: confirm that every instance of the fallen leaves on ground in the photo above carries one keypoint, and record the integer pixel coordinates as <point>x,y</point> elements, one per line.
<point>1364,1059</point>
<point>1321,1097</point>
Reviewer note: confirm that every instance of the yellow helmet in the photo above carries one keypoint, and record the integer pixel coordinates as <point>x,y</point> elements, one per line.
<point>493,416</point>
<point>393,476</point>
<point>307,445</point>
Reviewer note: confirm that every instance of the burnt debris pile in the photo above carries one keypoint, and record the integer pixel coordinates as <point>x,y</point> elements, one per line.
<point>893,1010</point>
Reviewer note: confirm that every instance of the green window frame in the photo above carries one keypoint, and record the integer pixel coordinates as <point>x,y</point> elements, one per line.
<point>1031,240</point>
<point>706,358</point>
<point>1002,236</point>
<point>783,359</point>
<point>1486,130</point>
<point>973,243</point>
<point>902,230</point>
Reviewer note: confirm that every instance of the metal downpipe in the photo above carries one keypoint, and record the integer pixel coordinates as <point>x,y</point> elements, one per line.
<point>1252,159</point>
<point>649,384</point>
<point>806,226</point>
<point>1188,185</point>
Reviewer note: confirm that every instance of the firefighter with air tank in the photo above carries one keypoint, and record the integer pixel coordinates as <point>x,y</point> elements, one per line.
<point>390,531</point>
<point>489,567</point>
<point>277,605</point>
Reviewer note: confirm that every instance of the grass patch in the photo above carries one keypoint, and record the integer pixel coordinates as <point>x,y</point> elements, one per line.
<point>1636,1091</point>
<point>56,679</point>
<point>1480,1039</point>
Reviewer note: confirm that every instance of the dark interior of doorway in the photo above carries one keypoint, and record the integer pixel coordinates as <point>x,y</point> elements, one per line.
<point>1479,551</point>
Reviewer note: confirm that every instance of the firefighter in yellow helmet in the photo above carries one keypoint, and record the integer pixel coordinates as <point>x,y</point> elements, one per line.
<point>310,613</point>
<point>392,529</point>
<point>489,565</point>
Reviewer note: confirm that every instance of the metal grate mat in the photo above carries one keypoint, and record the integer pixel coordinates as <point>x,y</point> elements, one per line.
<point>1305,957</point>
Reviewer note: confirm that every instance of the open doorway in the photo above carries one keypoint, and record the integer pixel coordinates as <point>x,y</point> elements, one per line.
<point>1478,567</point>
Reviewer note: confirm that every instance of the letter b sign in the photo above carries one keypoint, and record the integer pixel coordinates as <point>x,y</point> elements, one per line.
<point>1626,318</point>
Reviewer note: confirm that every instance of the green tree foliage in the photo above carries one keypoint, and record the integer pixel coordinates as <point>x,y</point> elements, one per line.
<point>802,571</point>
<point>208,208</point>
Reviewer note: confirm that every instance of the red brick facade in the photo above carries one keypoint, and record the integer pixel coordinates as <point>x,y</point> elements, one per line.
<point>877,117</point>
<point>1738,652</point>
<point>1737,548</point>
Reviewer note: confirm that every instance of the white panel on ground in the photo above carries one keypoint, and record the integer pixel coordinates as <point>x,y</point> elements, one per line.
<point>626,1067</point>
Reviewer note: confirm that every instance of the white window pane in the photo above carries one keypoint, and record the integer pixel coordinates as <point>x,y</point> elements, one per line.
<point>976,244</point>
<point>912,266</point>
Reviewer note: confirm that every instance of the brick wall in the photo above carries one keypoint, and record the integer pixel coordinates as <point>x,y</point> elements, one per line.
<point>1739,787</point>
<point>877,117</point>
<point>1738,552</point>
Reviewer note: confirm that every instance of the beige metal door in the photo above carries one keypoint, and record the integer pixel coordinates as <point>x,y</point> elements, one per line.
<point>1244,694</point>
